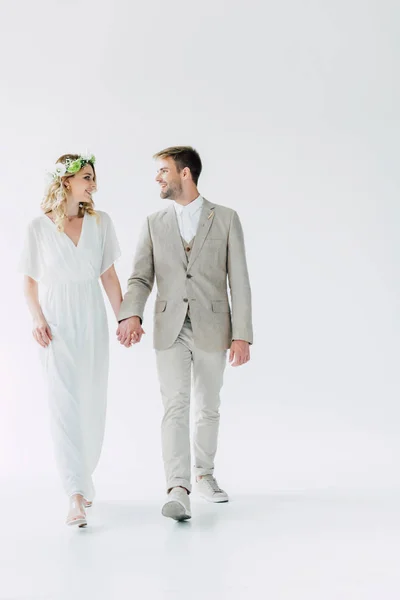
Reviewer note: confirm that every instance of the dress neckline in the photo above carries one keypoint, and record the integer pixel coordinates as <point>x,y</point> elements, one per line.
<point>65,234</point>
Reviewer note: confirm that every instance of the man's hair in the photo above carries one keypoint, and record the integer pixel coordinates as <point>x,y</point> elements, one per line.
<point>183,156</point>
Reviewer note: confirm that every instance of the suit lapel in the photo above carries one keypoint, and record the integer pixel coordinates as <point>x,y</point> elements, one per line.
<point>206,219</point>
<point>173,233</point>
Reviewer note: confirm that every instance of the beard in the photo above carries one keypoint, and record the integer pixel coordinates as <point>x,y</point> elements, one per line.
<point>172,191</point>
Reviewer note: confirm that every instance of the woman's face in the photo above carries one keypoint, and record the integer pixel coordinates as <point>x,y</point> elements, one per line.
<point>81,186</point>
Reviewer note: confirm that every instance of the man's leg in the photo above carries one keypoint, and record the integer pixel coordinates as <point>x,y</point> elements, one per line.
<point>174,373</point>
<point>208,371</point>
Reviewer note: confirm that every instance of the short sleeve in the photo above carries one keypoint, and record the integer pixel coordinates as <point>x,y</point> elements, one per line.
<point>30,262</point>
<point>110,245</point>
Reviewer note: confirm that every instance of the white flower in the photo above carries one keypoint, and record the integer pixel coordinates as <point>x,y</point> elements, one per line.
<point>59,170</point>
<point>86,155</point>
<point>56,171</point>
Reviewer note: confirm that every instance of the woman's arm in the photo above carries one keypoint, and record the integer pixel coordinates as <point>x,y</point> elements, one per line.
<point>41,330</point>
<point>112,288</point>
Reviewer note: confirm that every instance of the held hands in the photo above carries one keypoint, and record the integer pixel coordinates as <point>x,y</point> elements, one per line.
<point>130,332</point>
<point>239,353</point>
<point>42,332</point>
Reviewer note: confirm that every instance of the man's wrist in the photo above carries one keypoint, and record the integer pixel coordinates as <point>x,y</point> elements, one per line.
<point>131,317</point>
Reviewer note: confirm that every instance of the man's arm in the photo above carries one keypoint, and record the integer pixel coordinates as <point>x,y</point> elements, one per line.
<point>141,281</point>
<point>239,284</point>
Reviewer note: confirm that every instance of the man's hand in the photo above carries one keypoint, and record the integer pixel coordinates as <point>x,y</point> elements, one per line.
<point>130,332</point>
<point>239,353</point>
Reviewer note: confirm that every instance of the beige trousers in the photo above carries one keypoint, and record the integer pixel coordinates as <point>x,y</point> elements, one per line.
<point>175,368</point>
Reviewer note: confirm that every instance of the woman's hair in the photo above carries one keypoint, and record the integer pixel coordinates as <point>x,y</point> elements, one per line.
<point>55,199</point>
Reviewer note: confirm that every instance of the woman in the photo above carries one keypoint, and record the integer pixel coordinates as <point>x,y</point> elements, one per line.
<point>67,249</point>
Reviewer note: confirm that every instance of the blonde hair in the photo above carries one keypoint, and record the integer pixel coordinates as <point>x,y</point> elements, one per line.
<point>55,199</point>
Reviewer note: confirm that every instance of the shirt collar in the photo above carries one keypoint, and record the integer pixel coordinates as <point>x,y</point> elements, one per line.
<point>191,208</point>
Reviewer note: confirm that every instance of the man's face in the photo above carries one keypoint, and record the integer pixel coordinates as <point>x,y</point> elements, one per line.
<point>168,179</point>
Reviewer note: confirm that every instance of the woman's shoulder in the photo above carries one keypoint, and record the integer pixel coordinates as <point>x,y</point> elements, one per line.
<point>99,215</point>
<point>102,214</point>
<point>102,218</point>
<point>36,224</point>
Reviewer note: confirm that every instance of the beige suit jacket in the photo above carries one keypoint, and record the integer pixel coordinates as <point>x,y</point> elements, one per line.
<point>217,258</point>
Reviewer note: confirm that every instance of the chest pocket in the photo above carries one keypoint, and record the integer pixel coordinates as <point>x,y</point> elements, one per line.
<point>213,254</point>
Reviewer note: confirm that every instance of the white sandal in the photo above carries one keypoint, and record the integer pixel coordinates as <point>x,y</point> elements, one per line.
<point>78,516</point>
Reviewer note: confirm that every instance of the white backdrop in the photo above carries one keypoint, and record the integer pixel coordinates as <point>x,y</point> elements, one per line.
<point>294,108</point>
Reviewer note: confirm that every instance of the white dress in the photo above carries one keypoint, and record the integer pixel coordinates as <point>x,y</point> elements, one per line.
<point>76,360</point>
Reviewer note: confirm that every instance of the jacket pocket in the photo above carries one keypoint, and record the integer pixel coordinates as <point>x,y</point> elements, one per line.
<point>160,306</point>
<point>220,306</point>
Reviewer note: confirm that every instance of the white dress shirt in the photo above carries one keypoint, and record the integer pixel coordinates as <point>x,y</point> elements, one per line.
<point>188,218</point>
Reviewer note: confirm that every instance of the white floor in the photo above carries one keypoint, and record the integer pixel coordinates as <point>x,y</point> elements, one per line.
<point>332,545</point>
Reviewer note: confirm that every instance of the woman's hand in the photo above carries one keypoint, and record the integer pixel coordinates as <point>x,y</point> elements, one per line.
<point>130,331</point>
<point>42,332</point>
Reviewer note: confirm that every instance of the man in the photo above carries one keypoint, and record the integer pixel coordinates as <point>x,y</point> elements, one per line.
<point>192,248</point>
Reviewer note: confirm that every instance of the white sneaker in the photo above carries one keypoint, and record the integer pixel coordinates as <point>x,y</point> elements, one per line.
<point>177,505</point>
<point>209,489</point>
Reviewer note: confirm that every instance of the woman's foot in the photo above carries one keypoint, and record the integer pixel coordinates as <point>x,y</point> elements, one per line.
<point>77,513</point>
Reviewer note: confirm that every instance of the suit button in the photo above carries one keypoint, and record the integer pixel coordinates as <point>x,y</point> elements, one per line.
<point>185,300</point>
<point>189,276</point>
<point>187,249</point>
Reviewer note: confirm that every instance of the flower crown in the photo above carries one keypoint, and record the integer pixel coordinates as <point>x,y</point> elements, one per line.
<point>71,165</point>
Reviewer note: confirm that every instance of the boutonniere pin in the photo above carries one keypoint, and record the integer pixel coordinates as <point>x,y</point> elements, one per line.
<point>211,214</point>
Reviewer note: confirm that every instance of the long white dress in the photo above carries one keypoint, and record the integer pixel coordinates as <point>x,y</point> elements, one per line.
<point>76,361</point>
